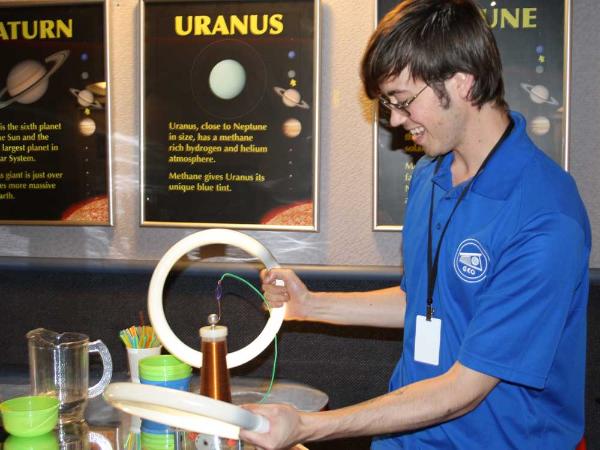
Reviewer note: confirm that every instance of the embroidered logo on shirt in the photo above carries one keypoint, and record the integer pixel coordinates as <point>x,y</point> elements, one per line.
<point>471,261</point>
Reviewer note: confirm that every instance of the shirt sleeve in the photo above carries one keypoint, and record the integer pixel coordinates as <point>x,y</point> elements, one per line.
<point>518,321</point>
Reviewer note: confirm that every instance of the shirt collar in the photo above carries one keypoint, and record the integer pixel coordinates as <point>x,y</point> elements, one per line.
<point>508,161</point>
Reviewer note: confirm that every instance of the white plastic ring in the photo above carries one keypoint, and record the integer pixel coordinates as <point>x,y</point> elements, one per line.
<point>155,296</point>
<point>183,409</point>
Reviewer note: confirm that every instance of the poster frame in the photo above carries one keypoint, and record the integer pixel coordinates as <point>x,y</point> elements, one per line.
<point>316,45</point>
<point>564,157</point>
<point>108,118</point>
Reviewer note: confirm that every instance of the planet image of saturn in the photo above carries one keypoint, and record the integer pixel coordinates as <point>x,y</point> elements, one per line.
<point>99,91</point>
<point>85,98</point>
<point>539,94</point>
<point>291,98</point>
<point>28,81</point>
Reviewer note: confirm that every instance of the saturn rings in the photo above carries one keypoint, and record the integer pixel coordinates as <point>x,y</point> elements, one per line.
<point>290,98</point>
<point>27,82</point>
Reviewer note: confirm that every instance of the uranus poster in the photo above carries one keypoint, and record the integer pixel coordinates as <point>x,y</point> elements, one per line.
<point>229,114</point>
<point>54,146</point>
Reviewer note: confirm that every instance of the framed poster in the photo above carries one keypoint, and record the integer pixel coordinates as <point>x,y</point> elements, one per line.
<point>533,38</point>
<point>54,114</point>
<point>230,114</point>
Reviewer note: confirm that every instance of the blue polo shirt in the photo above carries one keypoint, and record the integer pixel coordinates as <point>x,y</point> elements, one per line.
<point>511,292</point>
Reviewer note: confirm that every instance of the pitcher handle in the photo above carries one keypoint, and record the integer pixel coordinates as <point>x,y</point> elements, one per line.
<point>107,368</point>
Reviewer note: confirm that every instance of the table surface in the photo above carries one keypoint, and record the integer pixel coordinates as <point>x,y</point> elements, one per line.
<point>106,428</point>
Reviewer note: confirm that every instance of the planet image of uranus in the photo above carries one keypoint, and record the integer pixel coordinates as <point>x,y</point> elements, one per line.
<point>227,79</point>
<point>85,98</point>
<point>291,98</point>
<point>539,94</point>
<point>28,81</point>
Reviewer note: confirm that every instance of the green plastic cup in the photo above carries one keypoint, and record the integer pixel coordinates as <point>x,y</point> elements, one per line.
<point>47,441</point>
<point>29,416</point>
<point>161,368</point>
<point>158,441</point>
<point>165,371</point>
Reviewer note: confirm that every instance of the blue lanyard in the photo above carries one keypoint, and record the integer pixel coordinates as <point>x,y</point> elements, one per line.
<point>432,264</point>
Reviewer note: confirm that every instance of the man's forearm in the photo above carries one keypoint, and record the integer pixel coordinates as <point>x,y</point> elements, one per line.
<point>418,405</point>
<point>380,308</point>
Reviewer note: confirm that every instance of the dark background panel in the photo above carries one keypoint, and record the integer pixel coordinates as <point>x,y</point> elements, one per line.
<point>350,364</point>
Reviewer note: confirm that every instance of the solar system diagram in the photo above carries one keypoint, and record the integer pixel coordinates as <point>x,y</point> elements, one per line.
<point>531,37</point>
<point>54,152</point>
<point>229,130</point>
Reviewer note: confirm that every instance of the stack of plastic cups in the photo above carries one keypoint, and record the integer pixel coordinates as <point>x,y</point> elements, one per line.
<point>158,441</point>
<point>166,371</point>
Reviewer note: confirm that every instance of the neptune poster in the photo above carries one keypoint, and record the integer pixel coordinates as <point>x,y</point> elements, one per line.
<point>54,151</point>
<point>531,36</point>
<point>229,114</point>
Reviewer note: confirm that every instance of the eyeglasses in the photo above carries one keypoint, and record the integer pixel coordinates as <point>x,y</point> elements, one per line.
<point>400,106</point>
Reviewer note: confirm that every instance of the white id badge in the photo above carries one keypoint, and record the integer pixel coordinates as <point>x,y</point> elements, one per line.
<point>427,340</point>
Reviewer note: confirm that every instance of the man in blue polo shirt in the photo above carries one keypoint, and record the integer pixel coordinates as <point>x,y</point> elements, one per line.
<point>495,250</point>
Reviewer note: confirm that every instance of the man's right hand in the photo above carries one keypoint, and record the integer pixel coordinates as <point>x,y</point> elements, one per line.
<point>293,293</point>
<point>379,308</point>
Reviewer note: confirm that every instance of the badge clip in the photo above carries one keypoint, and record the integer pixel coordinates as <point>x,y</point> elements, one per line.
<point>429,313</point>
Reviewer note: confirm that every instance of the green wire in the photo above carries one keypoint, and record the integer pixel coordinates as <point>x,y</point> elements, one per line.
<point>265,301</point>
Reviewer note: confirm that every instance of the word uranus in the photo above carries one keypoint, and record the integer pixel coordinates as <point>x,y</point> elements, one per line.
<point>247,24</point>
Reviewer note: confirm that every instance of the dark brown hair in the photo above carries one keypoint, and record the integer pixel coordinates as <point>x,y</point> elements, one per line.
<point>435,39</point>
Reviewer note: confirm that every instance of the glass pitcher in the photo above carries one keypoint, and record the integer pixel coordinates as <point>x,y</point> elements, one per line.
<point>59,366</point>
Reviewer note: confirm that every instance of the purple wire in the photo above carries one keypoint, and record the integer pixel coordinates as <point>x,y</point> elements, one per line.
<point>219,295</point>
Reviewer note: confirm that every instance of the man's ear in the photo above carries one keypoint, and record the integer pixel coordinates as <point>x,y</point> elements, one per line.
<point>463,83</point>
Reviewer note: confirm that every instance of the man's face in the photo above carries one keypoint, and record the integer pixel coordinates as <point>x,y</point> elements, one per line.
<point>436,127</point>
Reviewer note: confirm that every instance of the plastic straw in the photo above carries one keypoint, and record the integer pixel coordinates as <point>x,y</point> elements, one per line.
<point>139,337</point>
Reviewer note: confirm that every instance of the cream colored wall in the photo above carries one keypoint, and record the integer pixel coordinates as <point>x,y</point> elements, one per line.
<point>346,157</point>
<point>345,236</point>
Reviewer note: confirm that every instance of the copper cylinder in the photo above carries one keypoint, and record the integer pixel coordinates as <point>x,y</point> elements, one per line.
<point>214,375</point>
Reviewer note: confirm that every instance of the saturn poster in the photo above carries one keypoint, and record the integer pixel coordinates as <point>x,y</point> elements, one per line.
<point>531,37</point>
<point>229,114</point>
<point>54,152</point>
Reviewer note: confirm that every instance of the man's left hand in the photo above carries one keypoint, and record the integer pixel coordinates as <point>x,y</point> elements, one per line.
<point>284,426</point>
